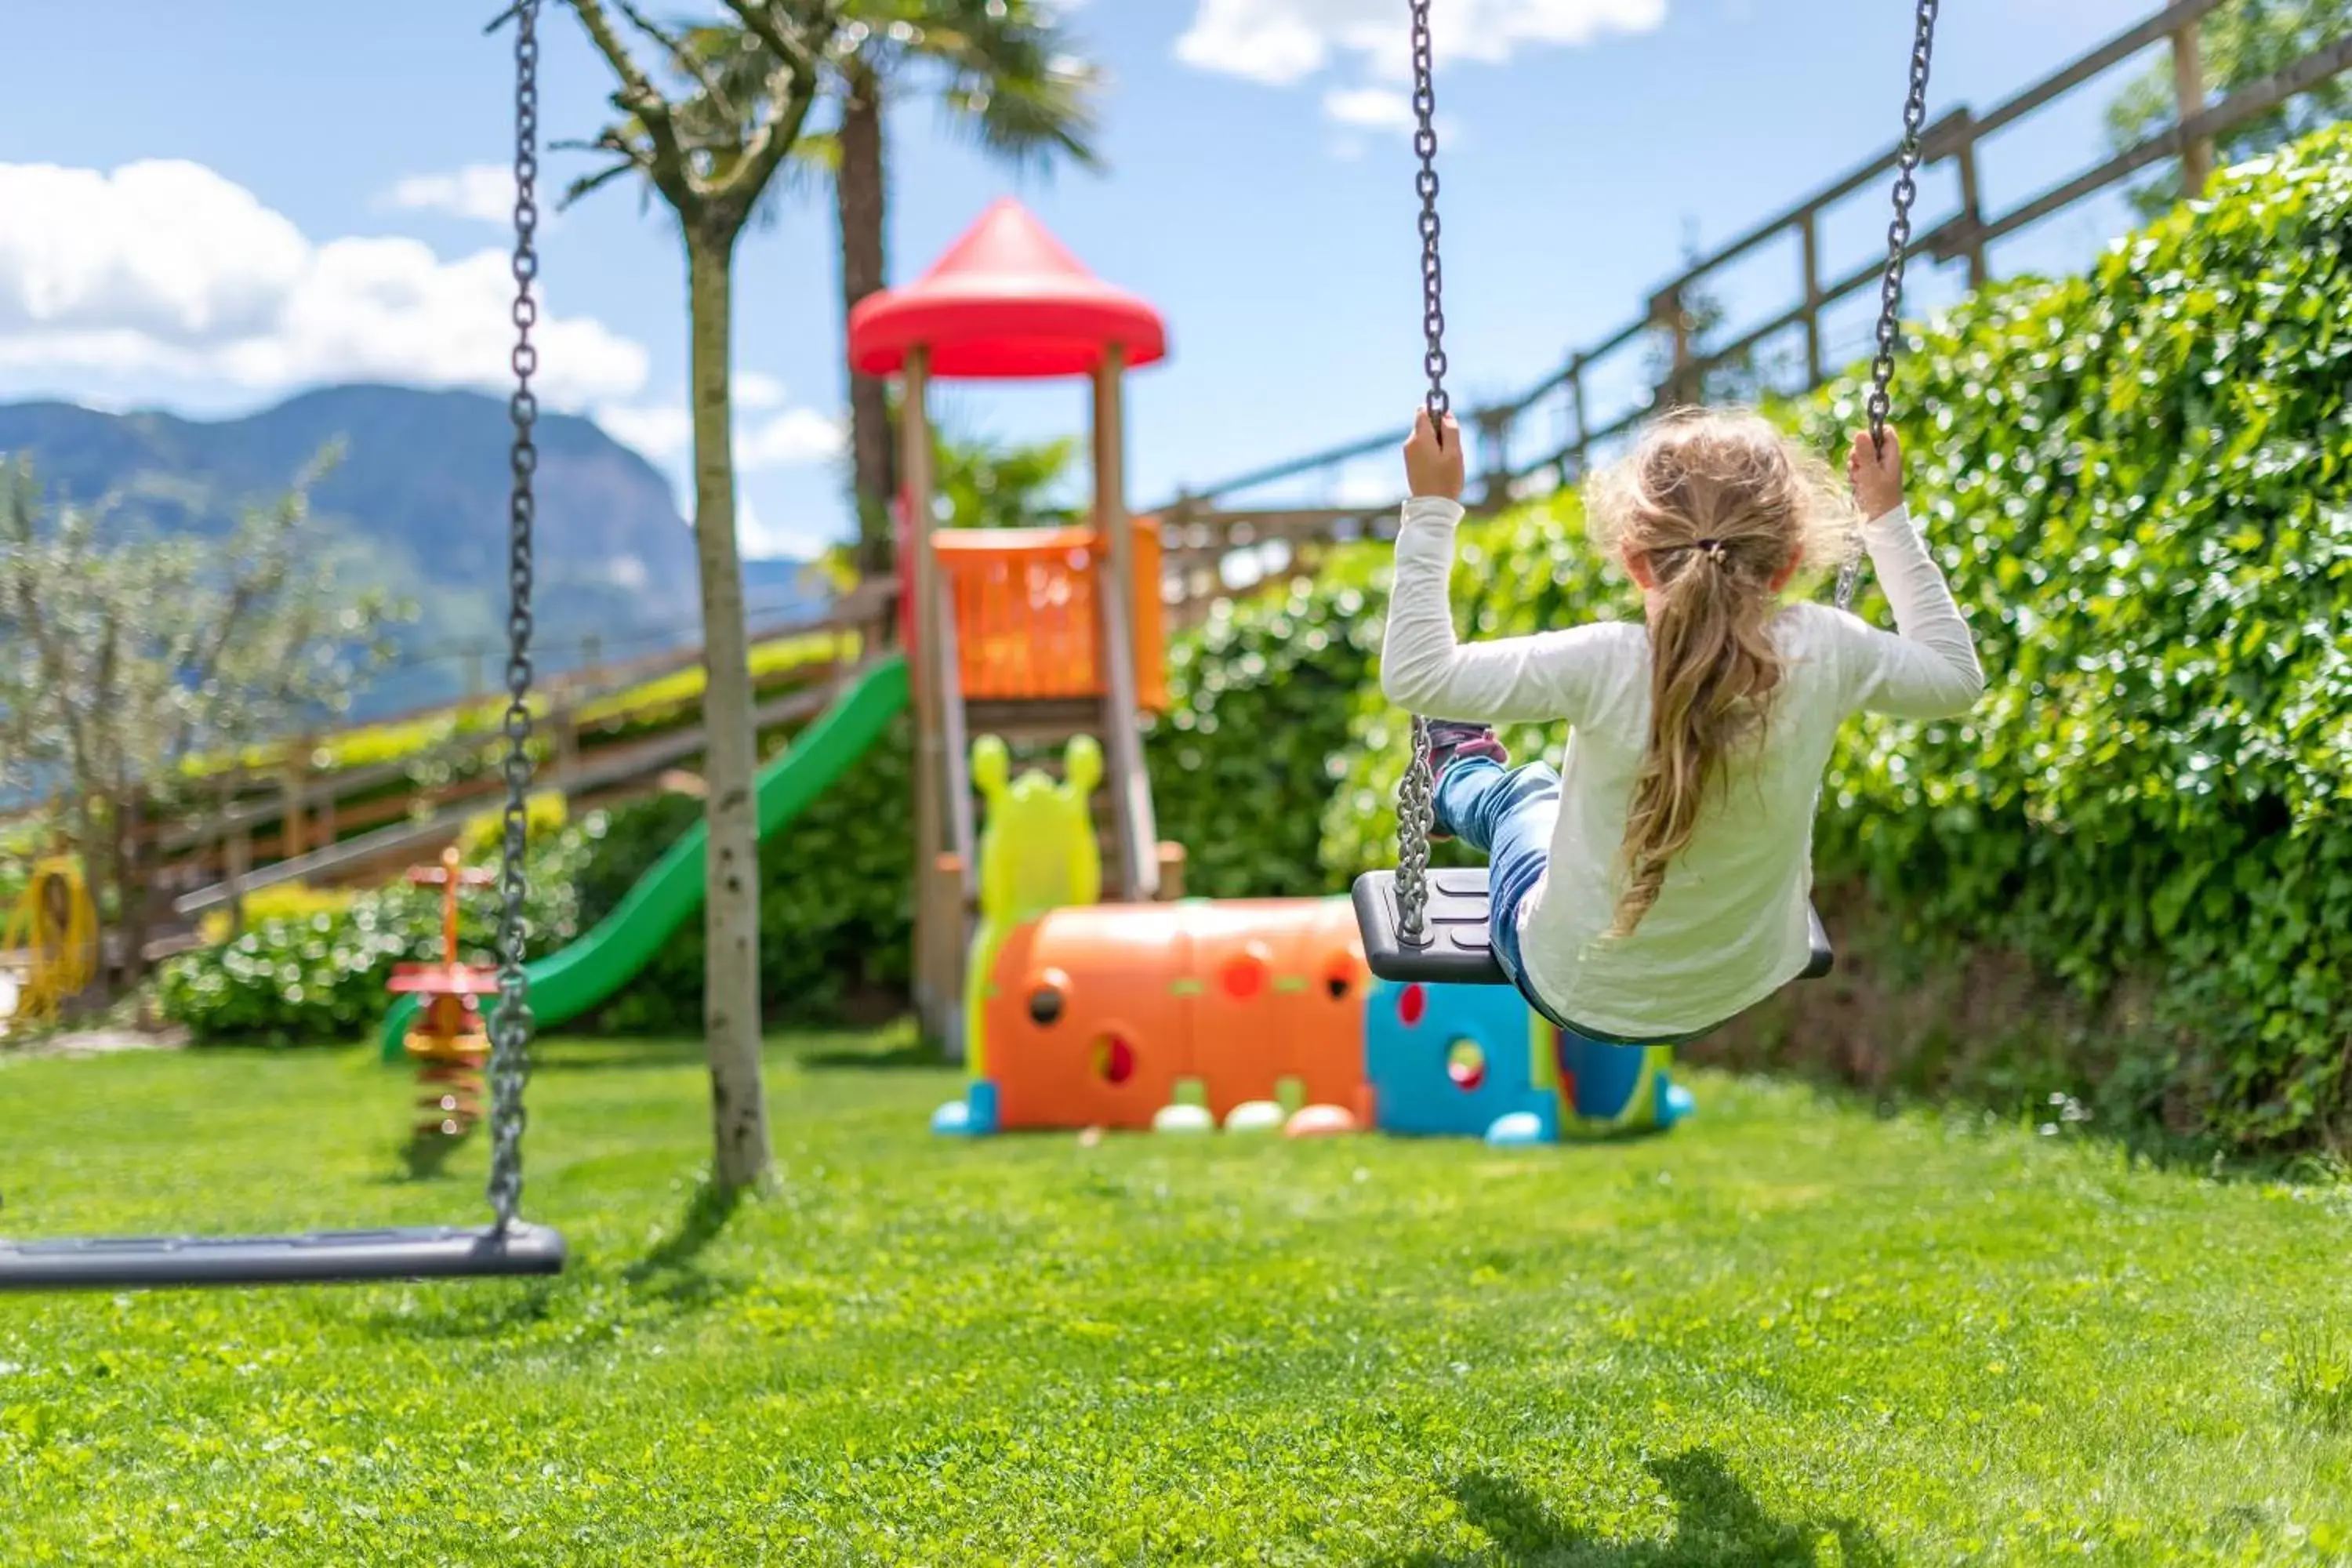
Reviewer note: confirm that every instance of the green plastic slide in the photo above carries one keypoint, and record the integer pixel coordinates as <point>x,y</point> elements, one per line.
<point>568,982</point>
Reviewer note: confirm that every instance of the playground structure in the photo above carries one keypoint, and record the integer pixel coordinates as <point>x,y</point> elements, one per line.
<point>1062,625</point>
<point>447,1040</point>
<point>54,930</point>
<point>1248,1014</point>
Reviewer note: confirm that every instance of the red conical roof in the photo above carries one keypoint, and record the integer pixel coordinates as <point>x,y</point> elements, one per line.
<point>1006,302</point>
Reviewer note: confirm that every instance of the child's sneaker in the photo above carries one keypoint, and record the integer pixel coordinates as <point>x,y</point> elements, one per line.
<point>1453,738</point>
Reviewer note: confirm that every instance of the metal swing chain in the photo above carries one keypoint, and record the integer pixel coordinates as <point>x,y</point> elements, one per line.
<point>1415,791</point>
<point>511,1024</point>
<point>1899,247</point>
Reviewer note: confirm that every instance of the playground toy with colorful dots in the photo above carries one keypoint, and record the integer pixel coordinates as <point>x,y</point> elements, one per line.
<point>1246,1014</point>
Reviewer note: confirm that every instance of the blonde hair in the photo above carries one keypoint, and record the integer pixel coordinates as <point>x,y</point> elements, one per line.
<point>1718,503</point>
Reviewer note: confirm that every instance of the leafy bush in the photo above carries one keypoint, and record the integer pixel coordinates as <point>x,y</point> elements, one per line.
<point>485,832</point>
<point>1251,744</point>
<point>2141,483</point>
<point>284,901</point>
<point>836,903</point>
<point>309,978</point>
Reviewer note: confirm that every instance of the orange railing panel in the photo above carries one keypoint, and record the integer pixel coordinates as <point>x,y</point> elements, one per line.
<point>1024,601</point>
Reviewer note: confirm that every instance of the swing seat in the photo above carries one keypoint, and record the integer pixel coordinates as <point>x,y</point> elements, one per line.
<point>321,1257</point>
<point>1457,950</point>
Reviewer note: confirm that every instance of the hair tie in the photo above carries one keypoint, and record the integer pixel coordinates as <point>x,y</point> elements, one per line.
<point>1714,548</point>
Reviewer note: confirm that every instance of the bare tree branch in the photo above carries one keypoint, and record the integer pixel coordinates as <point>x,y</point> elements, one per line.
<point>684,58</point>
<point>637,97</point>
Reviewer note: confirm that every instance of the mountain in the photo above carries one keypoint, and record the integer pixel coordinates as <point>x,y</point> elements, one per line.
<point>417,503</point>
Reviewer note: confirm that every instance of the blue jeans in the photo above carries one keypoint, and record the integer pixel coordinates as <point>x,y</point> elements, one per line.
<point>1507,815</point>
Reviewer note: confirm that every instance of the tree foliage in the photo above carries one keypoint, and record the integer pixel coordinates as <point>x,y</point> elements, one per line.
<point>121,656</point>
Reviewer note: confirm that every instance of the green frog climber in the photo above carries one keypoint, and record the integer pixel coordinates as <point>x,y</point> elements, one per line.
<point>1039,853</point>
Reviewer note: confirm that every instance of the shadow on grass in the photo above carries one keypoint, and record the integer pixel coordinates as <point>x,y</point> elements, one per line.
<point>672,1271</point>
<point>478,1312</point>
<point>1718,1523</point>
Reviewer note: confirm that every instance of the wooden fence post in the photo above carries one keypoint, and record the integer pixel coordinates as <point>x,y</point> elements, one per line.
<point>1809,234</point>
<point>1677,316</point>
<point>292,835</point>
<point>2188,93</point>
<point>1494,458</point>
<point>1576,412</point>
<point>1963,130</point>
<point>240,864</point>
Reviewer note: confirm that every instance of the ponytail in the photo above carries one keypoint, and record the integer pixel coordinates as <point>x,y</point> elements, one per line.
<point>1712,665</point>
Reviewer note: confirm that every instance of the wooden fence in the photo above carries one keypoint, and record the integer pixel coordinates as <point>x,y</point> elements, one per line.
<point>263,826</point>
<point>1568,394</point>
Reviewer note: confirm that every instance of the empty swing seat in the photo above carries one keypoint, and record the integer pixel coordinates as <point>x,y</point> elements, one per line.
<point>321,1257</point>
<point>1458,950</point>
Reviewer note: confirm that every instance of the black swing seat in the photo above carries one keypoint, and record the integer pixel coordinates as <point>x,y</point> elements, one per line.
<point>322,1257</point>
<point>1457,950</point>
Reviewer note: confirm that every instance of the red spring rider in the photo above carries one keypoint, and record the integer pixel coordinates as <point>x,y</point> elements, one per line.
<point>447,1038</point>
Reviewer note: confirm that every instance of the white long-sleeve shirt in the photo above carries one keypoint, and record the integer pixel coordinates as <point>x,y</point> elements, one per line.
<point>1729,926</point>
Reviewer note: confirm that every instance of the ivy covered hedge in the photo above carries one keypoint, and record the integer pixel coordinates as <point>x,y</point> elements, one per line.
<point>1257,732</point>
<point>2141,483</point>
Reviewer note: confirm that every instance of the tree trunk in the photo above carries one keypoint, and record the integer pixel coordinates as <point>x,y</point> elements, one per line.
<point>130,884</point>
<point>93,826</point>
<point>731,1004</point>
<point>861,193</point>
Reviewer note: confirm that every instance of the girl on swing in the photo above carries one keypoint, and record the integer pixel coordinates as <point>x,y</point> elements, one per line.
<point>1660,882</point>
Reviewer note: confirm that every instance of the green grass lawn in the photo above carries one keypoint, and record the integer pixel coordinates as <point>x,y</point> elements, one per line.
<point>1790,1332</point>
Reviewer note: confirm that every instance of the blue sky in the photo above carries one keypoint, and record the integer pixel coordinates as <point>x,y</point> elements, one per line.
<point>304,230</point>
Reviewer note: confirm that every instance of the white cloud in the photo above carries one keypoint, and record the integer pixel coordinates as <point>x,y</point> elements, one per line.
<point>1374,108</point>
<point>759,541</point>
<point>1280,42</point>
<point>755,390</point>
<point>483,192</point>
<point>660,432</point>
<point>793,438</point>
<point>165,267</point>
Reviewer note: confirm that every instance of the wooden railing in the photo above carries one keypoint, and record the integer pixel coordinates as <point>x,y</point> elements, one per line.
<point>1570,396</point>
<point>265,825</point>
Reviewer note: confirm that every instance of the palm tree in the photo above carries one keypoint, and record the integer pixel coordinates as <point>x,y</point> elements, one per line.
<point>1008,75</point>
<point>729,105</point>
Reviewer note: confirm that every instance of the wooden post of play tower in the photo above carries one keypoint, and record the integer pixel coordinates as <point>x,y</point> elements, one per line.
<point>936,963</point>
<point>1139,835</point>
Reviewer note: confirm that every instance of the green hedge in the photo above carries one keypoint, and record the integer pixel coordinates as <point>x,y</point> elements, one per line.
<point>2141,483</point>
<point>836,905</point>
<point>1257,729</point>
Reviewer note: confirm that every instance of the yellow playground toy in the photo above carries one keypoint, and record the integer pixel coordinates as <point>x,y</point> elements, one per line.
<point>54,927</point>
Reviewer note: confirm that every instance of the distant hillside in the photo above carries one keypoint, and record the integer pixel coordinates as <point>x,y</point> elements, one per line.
<point>418,503</point>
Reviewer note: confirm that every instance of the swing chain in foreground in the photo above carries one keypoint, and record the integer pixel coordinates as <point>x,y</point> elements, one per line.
<point>511,1027</point>
<point>1415,805</point>
<point>1898,250</point>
